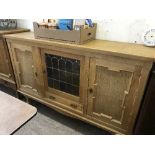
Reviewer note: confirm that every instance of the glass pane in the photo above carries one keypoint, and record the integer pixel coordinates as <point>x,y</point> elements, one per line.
<point>76,79</point>
<point>55,62</point>
<point>56,74</point>
<point>48,61</point>
<point>62,64</point>
<point>63,73</point>
<point>76,67</point>
<point>69,66</point>
<point>50,72</point>
<point>69,77</point>
<point>50,82</point>
<point>63,86</point>
<point>56,84</point>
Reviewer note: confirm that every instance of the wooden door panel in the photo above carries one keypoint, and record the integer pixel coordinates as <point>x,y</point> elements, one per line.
<point>25,62</point>
<point>114,88</point>
<point>25,69</point>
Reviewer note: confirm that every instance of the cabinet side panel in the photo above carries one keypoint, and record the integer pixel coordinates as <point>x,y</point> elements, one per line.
<point>4,68</point>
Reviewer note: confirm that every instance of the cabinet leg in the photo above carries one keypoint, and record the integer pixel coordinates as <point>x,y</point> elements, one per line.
<point>22,97</point>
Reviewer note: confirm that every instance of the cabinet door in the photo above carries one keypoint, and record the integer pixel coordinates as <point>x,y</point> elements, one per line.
<point>25,71</point>
<point>64,75</point>
<point>5,65</point>
<point>112,91</point>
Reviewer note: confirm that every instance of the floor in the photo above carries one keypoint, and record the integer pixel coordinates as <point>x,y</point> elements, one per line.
<point>50,122</point>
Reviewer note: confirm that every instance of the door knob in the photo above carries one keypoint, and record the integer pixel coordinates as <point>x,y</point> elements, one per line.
<point>91,90</point>
<point>36,74</point>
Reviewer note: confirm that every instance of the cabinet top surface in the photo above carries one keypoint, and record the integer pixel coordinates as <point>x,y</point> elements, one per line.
<point>128,50</point>
<point>13,31</point>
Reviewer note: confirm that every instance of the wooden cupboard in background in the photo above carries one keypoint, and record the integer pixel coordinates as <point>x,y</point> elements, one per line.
<point>97,88</point>
<point>6,71</point>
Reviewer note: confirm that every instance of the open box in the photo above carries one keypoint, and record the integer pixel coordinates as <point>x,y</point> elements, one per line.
<point>74,36</point>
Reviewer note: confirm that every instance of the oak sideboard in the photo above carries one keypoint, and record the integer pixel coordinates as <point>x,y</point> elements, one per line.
<point>100,82</point>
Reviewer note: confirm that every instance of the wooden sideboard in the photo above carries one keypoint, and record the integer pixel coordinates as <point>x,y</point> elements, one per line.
<point>6,72</point>
<point>100,82</point>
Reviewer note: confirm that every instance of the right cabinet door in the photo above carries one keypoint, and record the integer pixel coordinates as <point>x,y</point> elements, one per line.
<point>112,91</point>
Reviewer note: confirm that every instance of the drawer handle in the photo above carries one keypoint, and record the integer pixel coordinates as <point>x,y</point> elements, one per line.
<point>52,97</point>
<point>73,106</point>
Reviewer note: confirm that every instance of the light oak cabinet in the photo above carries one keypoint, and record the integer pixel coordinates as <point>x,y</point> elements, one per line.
<point>103,90</point>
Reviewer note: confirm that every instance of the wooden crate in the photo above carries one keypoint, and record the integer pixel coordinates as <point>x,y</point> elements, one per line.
<point>73,36</point>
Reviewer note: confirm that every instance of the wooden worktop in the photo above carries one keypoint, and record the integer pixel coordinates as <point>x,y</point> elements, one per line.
<point>128,50</point>
<point>2,32</point>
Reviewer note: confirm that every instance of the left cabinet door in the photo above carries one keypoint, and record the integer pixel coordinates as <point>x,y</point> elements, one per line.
<point>6,72</point>
<point>25,70</point>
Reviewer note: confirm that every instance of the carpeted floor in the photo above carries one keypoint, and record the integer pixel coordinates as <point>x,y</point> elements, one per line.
<point>50,122</point>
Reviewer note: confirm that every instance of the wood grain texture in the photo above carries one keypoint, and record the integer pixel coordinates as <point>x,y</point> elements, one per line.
<point>13,113</point>
<point>2,32</point>
<point>127,50</point>
<point>25,69</point>
<point>114,86</point>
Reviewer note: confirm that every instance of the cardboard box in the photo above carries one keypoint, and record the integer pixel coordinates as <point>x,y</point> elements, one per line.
<point>73,36</point>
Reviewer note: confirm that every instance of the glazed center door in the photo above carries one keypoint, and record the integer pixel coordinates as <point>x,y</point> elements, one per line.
<point>63,78</point>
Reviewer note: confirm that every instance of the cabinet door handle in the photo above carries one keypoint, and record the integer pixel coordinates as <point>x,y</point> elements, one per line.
<point>36,74</point>
<point>90,90</point>
<point>73,106</point>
